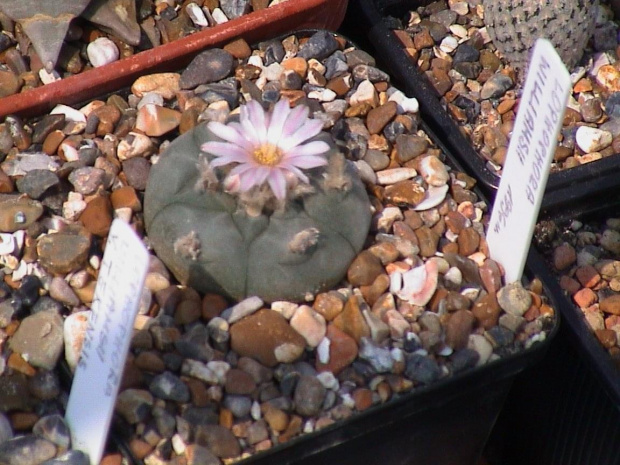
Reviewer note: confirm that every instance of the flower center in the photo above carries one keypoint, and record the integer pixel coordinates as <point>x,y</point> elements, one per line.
<point>268,155</point>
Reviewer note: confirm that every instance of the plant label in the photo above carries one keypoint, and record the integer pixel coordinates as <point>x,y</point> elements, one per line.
<point>106,342</point>
<point>528,160</point>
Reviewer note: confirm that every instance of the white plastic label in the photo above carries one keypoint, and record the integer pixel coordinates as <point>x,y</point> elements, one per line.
<point>528,160</point>
<point>100,368</point>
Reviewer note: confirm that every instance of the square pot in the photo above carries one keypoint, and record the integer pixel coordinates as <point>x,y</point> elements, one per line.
<point>446,422</point>
<point>377,16</point>
<point>252,27</point>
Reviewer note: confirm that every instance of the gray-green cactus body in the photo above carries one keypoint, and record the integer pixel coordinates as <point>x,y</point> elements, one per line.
<point>514,26</point>
<point>211,244</point>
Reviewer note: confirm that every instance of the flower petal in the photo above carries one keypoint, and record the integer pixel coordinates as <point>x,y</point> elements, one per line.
<point>280,113</point>
<point>256,118</point>
<point>277,182</point>
<point>296,171</point>
<point>296,118</point>
<point>316,147</point>
<point>308,130</point>
<point>225,150</point>
<point>229,133</point>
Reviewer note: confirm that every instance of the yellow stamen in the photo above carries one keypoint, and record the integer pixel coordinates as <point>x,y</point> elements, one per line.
<point>268,155</point>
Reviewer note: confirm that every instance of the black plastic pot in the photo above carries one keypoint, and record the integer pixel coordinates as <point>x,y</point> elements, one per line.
<point>446,423</point>
<point>375,20</point>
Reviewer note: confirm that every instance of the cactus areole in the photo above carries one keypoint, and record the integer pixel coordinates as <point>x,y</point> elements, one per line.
<point>266,206</point>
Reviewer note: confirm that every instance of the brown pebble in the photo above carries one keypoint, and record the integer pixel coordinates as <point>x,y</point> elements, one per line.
<point>328,304</point>
<point>150,361</point>
<point>213,305</point>
<point>427,240</point>
<point>16,362</point>
<point>342,351</point>
<point>487,311</point>
<point>468,241</point>
<point>126,197</point>
<point>23,421</point>
<point>586,297</point>
<point>379,117</point>
<point>607,337</point>
<point>263,335</point>
<point>364,269</point>
<point>351,321</point>
<point>238,48</point>
<point>569,284</point>
<point>239,382</point>
<point>587,276</point>
<point>139,448</point>
<point>564,256</point>
<point>362,398</point>
<point>405,193</point>
<point>610,304</point>
<point>458,328</point>
<point>112,459</point>
<point>97,216</point>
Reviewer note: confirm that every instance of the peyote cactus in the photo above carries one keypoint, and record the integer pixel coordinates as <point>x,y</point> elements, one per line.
<point>264,227</point>
<point>514,26</point>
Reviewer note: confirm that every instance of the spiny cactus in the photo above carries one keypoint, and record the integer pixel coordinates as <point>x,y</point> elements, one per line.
<point>279,228</point>
<point>514,26</point>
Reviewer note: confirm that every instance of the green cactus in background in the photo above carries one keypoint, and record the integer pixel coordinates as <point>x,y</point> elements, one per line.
<point>263,227</point>
<point>514,26</point>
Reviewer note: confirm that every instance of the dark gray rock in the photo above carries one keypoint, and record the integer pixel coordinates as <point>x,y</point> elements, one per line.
<point>168,386</point>
<point>319,46</point>
<point>209,66</point>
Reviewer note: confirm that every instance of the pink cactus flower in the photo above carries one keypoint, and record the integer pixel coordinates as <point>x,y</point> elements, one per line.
<point>267,147</point>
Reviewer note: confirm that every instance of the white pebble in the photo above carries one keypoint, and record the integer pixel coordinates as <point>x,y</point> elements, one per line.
<point>199,370</point>
<point>9,261</point>
<point>284,308</point>
<point>244,308</point>
<point>328,380</point>
<point>151,97</point>
<point>48,78</point>
<point>178,444</point>
<point>21,270</point>
<point>592,139</point>
<point>70,113</point>
<point>74,330</point>
<point>396,282</point>
<point>220,369</point>
<point>322,350</point>
<point>434,196</point>
<point>255,60</point>
<point>448,44</point>
<point>102,51</point>
<point>273,72</point>
<point>218,16</point>
<point>481,345</point>
<point>196,14</point>
<point>459,31</point>
<point>7,244</point>
<point>394,175</point>
<point>255,411</point>
<point>365,93</point>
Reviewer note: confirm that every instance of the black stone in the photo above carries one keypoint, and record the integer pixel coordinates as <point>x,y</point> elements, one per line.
<point>209,66</point>
<point>421,369</point>
<point>45,126</point>
<point>319,46</point>
<point>36,182</point>
<point>465,52</point>
<point>28,291</point>
<point>464,359</point>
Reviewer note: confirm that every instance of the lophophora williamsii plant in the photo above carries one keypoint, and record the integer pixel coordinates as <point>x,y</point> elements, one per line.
<point>265,206</point>
<point>514,26</point>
